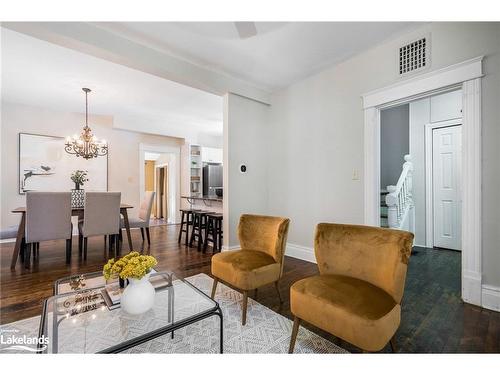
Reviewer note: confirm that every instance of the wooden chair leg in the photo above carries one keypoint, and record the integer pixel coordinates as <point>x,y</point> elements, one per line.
<point>214,287</point>
<point>27,255</point>
<point>276,284</point>
<point>255,293</point>
<point>244,312</point>
<point>393,345</point>
<point>295,330</point>
<point>180,229</point>
<point>22,250</point>
<point>68,251</point>
<point>142,234</point>
<point>80,244</point>
<point>85,242</point>
<point>105,241</point>
<point>147,235</point>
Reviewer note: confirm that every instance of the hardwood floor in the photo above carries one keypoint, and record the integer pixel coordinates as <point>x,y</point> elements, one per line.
<point>434,319</point>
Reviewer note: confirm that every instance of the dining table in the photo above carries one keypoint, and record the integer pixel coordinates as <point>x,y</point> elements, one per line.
<point>75,211</point>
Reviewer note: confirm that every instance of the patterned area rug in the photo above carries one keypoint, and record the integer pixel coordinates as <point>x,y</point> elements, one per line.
<point>265,332</point>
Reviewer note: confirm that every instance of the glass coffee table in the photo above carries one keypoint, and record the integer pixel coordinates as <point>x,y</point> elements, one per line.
<point>77,320</point>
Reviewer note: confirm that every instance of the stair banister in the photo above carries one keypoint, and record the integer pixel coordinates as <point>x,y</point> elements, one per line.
<point>399,198</point>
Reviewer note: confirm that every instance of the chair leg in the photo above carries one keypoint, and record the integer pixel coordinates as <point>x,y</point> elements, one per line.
<point>295,330</point>
<point>23,249</point>
<point>244,312</point>
<point>105,241</point>
<point>142,234</point>
<point>80,244</point>
<point>255,293</point>
<point>180,229</point>
<point>68,250</point>
<point>393,345</point>
<point>85,242</point>
<point>276,284</point>
<point>27,255</point>
<point>214,287</point>
<point>147,235</point>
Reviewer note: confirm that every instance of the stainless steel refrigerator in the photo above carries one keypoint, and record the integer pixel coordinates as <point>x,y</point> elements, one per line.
<point>212,178</point>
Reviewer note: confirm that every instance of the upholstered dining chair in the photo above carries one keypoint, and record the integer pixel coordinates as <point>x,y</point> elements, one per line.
<point>142,221</point>
<point>101,217</point>
<point>48,217</point>
<point>357,294</point>
<point>259,261</point>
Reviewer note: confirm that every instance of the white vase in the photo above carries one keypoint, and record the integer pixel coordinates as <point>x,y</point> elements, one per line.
<point>138,297</point>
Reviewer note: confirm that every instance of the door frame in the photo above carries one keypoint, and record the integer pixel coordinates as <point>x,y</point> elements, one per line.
<point>467,76</point>
<point>429,201</point>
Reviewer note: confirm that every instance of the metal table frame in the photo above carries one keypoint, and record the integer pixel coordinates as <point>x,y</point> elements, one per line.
<point>216,310</point>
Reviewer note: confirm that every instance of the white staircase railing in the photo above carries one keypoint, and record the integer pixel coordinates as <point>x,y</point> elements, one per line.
<point>399,200</point>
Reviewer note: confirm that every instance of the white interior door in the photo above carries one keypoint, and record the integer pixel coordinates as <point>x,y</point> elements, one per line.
<point>446,189</point>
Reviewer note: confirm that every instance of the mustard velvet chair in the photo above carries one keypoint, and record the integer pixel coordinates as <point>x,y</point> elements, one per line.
<point>259,261</point>
<point>357,294</point>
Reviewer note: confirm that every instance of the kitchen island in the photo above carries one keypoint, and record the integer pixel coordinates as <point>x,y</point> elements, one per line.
<point>208,203</point>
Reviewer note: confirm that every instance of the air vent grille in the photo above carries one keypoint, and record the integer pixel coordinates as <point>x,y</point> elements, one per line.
<point>413,56</point>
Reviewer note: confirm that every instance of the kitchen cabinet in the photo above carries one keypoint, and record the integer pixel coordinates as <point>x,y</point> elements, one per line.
<point>211,155</point>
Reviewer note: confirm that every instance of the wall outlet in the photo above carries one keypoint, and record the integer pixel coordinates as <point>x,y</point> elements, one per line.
<point>355,174</point>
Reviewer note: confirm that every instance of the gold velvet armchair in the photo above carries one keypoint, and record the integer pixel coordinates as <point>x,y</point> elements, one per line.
<point>357,295</point>
<point>259,261</point>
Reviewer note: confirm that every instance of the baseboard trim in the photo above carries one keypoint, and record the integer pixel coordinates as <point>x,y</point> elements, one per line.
<point>471,288</point>
<point>490,297</point>
<point>233,247</point>
<point>300,252</point>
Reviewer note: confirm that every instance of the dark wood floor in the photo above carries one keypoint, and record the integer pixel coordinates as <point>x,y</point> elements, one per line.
<point>434,319</point>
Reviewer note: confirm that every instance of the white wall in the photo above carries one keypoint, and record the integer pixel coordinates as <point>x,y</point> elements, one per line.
<point>395,142</point>
<point>123,167</point>
<point>245,142</point>
<point>317,134</point>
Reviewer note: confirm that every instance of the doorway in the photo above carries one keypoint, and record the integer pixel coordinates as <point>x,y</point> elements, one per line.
<point>161,189</point>
<point>444,185</point>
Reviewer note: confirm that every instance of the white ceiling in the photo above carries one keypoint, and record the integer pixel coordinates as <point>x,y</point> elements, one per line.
<point>39,73</point>
<point>280,54</point>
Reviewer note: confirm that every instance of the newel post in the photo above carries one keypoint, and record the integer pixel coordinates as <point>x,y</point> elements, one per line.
<point>391,199</point>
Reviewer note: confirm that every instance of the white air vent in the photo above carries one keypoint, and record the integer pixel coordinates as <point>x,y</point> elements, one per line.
<point>414,56</point>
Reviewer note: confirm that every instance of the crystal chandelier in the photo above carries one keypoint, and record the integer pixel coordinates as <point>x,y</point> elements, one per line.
<point>86,145</point>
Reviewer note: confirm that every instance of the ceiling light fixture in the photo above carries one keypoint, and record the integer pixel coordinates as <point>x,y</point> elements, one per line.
<point>86,145</point>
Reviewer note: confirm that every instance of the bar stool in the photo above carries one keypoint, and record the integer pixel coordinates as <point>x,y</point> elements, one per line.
<point>187,220</point>
<point>213,232</point>
<point>199,224</point>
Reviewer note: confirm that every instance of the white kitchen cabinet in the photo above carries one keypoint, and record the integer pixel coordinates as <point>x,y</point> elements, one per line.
<point>211,154</point>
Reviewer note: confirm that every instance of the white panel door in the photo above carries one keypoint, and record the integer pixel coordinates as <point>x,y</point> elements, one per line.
<point>446,180</point>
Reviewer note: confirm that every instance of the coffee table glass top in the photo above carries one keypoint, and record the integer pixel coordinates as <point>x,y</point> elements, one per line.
<point>77,320</point>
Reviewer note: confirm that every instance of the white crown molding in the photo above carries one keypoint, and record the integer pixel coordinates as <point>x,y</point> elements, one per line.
<point>425,83</point>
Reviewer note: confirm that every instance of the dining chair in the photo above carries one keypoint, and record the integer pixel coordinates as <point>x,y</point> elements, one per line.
<point>101,217</point>
<point>48,217</point>
<point>142,221</point>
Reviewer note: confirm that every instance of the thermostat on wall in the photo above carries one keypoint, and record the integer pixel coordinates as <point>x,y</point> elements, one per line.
<point>243,168</point>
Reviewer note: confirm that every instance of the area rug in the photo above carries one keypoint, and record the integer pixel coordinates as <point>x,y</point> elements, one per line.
<point>265,332</point>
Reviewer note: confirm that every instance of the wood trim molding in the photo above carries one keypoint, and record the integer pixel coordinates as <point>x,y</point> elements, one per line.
<point>426,83</point>
<point>471,190</point>
<point>468,74</point>
<point>300,252</point>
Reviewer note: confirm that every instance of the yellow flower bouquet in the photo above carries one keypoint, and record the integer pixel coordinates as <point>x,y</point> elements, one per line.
<point>133,265</point>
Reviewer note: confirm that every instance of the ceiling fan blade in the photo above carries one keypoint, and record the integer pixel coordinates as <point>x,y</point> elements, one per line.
<point>246,29</point>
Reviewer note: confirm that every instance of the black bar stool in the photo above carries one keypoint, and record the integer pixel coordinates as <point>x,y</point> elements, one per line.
<point>213,232</point>
<point>199,224</point>
<point>187,220</point>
